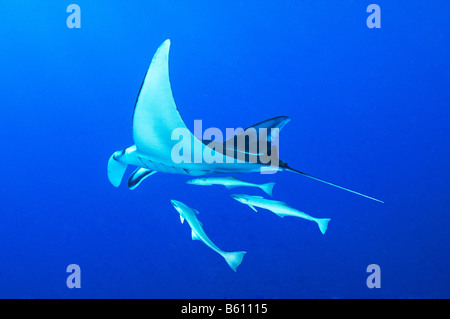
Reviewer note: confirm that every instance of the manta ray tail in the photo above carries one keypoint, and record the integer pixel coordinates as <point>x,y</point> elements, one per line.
<point>267,188</point>
<point>116,168</point>
<point>233,259</point>
<point>287,168</point>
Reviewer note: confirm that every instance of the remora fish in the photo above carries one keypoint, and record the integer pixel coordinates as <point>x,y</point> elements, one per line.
<point>231,182</point>
<point>279,208</point>
<point>233,259</point>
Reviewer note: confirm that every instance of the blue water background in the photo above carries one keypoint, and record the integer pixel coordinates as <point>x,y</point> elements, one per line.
<point>369,109</point>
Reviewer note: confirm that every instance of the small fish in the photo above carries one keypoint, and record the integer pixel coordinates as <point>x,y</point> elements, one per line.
<point>279,208</point>
<point>233,259</point>
<point>231,182</point>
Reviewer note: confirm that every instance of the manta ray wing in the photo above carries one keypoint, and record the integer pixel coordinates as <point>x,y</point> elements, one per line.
<point>277,122</point>
<point>156,117</point>
<point>246,142</point>
<point>252,138</point>
<point>155,114</point>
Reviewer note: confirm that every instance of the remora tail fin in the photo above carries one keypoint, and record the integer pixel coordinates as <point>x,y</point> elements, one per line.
<point>234,259</point>
<point>323,224</point>
<point>287,168</point>
<point>267,188</point>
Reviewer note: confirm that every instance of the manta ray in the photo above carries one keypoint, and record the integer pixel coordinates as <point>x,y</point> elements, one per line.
<point>156,117</point>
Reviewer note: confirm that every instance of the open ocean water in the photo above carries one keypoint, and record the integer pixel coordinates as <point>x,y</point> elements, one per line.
<point>369,109</point>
